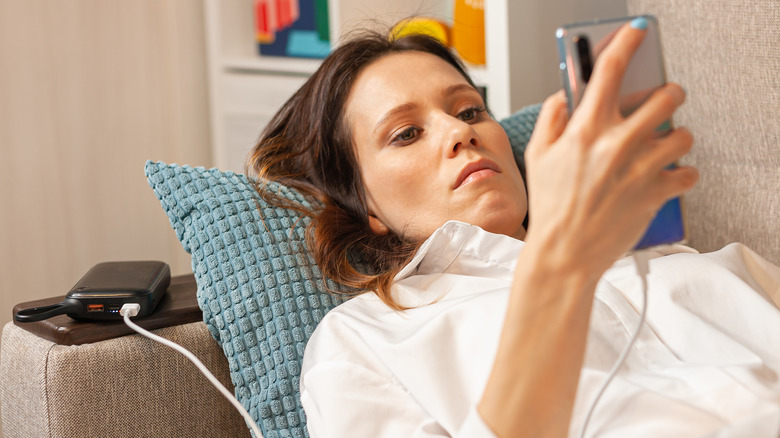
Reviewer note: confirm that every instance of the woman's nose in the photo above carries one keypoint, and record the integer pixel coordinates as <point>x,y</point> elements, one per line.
<point>462,135</point>
<point>471,142</point>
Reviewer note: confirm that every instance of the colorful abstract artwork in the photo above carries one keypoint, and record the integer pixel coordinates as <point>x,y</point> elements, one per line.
<point>293,28</point>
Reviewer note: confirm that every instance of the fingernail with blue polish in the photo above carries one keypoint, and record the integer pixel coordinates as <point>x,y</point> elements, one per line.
<point>639,23</point>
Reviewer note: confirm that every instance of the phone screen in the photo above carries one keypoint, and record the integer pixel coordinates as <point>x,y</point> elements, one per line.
<point>579,46</point>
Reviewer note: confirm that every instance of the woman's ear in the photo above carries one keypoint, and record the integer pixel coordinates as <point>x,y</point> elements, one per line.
<point>377,226</point>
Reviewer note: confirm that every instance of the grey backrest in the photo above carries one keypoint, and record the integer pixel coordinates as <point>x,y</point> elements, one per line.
<point>726,53</point>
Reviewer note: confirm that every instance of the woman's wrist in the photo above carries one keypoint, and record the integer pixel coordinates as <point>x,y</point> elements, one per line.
<point>561,255</point>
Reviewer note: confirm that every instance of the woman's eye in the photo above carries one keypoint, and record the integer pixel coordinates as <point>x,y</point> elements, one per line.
<point>470,114</point>
<point>406,136</point>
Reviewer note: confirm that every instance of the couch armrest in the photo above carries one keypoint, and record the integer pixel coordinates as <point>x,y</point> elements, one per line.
<point>126,386</point>
<point>178,306</point>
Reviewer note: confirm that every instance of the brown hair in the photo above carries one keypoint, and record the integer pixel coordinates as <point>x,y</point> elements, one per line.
<point>308,146</point>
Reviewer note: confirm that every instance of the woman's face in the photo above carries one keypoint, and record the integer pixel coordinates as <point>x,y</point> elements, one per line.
<point>429,152</point>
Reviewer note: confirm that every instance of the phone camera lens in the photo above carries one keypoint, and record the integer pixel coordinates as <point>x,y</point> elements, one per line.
<point>586,60</point>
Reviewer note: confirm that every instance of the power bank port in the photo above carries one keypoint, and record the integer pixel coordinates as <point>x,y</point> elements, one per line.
<point>94,307</point>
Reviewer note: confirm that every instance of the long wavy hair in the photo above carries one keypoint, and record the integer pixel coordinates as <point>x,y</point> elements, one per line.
<point>308,145</point>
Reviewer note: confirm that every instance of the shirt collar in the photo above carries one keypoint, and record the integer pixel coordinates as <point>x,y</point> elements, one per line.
<point>455,239</point>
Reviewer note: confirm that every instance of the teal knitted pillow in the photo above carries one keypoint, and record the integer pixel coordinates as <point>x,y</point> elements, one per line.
<point>260,291</point>
<point>519,127</point>
<point>259,288</point>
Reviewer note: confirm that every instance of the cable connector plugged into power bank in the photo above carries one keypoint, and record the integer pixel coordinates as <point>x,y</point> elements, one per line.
<point>130,309</point>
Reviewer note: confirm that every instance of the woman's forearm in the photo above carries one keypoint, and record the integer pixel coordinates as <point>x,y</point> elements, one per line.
<point>532,386</point>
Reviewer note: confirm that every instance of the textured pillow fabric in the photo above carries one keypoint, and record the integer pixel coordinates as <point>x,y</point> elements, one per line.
<point>519,127</point>
<point>261,293</point>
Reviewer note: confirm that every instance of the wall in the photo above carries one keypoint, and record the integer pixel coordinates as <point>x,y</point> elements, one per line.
<point>89,90</point>
<point>534,52</point>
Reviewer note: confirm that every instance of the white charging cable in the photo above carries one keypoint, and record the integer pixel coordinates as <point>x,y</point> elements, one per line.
<point>642,269</point>
<point>130,310</point>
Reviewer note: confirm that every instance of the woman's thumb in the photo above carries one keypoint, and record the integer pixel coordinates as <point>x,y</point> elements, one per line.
<point>550,124</point>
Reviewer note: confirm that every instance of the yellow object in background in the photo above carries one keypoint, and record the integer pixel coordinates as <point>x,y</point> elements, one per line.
<point>425,26</point>
<point>468,30</point>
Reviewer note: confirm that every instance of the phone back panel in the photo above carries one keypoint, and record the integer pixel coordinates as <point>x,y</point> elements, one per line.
<point>644,74</point>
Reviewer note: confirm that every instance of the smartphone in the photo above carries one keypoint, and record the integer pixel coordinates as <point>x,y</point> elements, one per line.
<point>579,46</point>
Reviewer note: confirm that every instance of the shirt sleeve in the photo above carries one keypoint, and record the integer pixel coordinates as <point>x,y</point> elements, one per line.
<point>344,399</point>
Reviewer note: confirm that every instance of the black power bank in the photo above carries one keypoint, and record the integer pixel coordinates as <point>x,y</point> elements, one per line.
<point>104,289</point>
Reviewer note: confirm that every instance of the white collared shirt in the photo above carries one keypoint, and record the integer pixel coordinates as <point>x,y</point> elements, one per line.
<point>707,360</point>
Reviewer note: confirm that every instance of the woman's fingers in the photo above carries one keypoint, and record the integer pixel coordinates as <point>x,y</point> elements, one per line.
<point>604,86</point>
<point>674,182</point>
<point>669,149</point>
<point>656,111</point>
<point>667,182</point>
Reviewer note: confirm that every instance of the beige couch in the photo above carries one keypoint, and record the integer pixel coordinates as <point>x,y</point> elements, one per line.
<point>724,52</point>
<point>60,384</point>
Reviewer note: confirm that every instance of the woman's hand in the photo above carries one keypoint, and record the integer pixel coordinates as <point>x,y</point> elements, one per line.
<point>594,184</point>
<point>596,181</point>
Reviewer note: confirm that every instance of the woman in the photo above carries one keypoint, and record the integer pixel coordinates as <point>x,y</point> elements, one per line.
<point>474,325</point>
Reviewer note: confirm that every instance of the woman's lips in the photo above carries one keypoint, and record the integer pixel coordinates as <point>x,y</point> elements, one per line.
<point>484,173</point>
<point>475,171</point>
